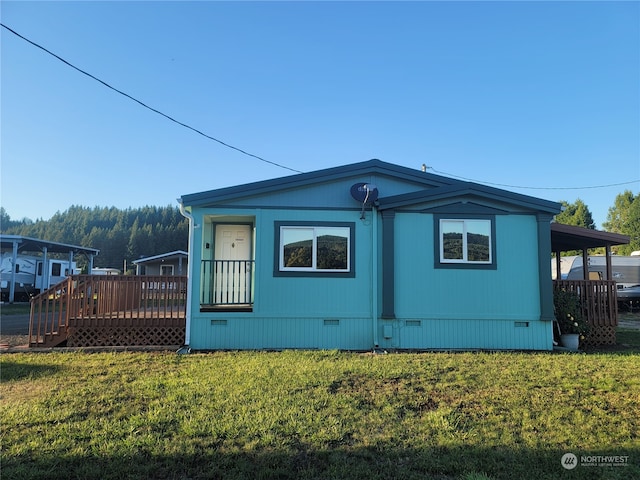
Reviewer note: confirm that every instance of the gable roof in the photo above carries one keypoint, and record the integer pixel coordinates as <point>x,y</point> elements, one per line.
<point>303,179</point>
<point>468,189</point>
<point>436,187</point>
<point>163,256</point>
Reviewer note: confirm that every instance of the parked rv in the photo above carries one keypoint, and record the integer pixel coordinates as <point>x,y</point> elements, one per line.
<point>624,270</point>
<point>31,276</point>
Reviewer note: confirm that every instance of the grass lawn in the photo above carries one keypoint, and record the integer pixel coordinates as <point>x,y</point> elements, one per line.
<point>317,415</point>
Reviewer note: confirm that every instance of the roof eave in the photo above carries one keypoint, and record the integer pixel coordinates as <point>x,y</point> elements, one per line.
<point>470,189</point>
<point>571,237</point>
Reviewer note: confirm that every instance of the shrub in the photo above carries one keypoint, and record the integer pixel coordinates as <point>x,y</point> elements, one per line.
<point>569,312</point>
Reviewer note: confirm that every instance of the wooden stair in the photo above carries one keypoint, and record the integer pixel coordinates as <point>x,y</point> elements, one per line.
<point>49,316</point>
<point>55,339</point>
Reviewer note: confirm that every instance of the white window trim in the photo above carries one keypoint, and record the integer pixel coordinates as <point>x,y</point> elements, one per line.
<point>165,266</point>
<point>465,249</point>
<point>314,249</point>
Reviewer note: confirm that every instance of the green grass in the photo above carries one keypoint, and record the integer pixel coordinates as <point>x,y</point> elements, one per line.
<point>290,415</point>
<point>629,339</point>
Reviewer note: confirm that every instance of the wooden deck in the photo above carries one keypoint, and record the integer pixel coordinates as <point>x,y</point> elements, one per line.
<point>599,300</point>
<point>132,310</point>
<point>110,310</point>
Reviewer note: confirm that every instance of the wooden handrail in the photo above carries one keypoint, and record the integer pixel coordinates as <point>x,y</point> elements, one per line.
<point>50,313</point>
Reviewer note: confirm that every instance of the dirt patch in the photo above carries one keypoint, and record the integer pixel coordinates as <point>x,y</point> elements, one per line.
<point>7,341</point>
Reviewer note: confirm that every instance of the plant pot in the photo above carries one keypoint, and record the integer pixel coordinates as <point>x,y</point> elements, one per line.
<point>570,340</point>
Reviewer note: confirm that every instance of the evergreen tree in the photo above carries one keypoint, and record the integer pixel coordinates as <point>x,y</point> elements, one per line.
<point>624,218</point>
<point>577,214</point>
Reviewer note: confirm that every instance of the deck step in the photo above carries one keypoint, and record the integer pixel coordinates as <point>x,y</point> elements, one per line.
<point>54,340</point>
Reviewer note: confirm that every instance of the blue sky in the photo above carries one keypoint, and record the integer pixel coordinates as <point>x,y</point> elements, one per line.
<point>542,94</point>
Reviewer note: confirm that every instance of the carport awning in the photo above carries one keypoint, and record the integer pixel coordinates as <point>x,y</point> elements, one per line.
<point>570,237</point>
<point>28,244</point>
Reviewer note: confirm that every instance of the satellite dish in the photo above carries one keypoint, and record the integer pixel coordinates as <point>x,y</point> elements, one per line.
<point>364,193</point>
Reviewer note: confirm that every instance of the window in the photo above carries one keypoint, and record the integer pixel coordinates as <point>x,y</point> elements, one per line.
<point>166,269</point>
<point>465,242</point>
<point>311,249</point>
<point>56,269</point>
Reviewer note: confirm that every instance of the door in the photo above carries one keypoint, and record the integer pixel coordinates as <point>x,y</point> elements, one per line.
<point>232,264</point>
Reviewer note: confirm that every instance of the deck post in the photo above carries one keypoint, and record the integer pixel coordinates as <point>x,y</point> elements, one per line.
<point>585,264</point>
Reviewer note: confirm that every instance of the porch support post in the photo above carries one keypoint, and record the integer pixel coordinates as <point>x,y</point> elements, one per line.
<point>544,267</point>
<point>585,264</point>
<point>14,260</point>
<point>45,270</point>
<point>388,264</point>
<point>607,252</point>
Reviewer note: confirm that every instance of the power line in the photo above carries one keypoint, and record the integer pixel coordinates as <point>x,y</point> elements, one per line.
<point>532,188</point>
<point>182,124</point>
<point>147,106</point>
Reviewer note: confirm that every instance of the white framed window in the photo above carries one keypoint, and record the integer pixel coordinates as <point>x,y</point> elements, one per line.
<point>166,269</point>
<point>321,248</point>
<point>466,241</point>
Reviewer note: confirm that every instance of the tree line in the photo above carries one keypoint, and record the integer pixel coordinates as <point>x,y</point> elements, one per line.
<point>122,236</point>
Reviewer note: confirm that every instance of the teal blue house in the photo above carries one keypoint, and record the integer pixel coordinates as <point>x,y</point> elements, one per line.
<point>368,255</point>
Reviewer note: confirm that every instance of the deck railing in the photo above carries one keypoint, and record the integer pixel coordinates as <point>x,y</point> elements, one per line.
<point>104,302</point>
<point>227,282</point>
<point>600,303</point>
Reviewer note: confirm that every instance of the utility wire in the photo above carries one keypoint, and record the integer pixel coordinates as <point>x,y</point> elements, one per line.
<point>269,161</point>
<point>532,188</point>
<point>147,106</point>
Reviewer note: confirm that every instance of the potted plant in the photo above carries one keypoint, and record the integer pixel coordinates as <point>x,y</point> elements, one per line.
<point>570,318</point>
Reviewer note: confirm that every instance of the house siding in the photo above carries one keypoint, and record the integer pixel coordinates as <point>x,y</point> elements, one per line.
<point>304,296</point>
<point>435,308</point>
<point>482,333</point>
<point>467,308</point>
<point>291,312</point>
<point>259,332</point>
<point>425,307</point>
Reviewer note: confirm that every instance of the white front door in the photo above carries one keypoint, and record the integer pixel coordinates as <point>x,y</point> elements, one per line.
<point>232,264</point>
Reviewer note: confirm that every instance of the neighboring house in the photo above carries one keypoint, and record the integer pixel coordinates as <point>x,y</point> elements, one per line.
<point>368,255</point>
<point>172,263</point>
